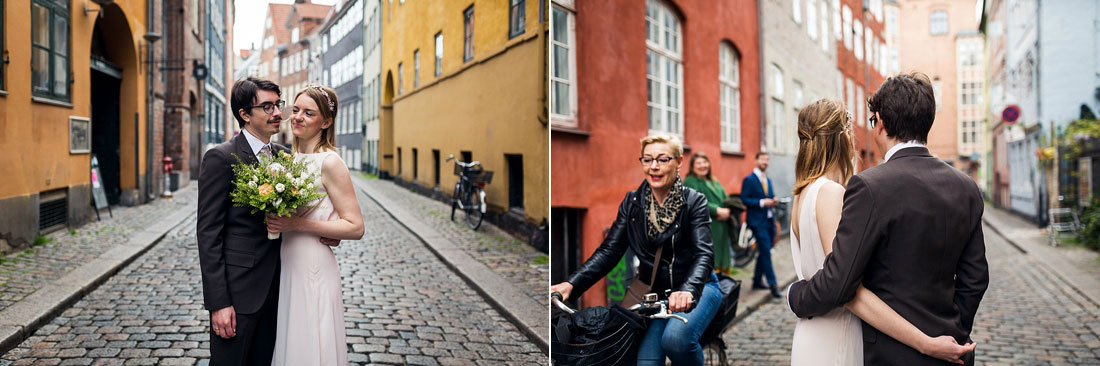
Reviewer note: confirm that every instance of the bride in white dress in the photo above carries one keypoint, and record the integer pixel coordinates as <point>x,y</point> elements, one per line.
<point>310,329</point>
<point>823,166</point>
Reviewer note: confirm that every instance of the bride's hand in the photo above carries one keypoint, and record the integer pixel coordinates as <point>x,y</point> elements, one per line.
<point>945,348</point>
<point>277,224</point>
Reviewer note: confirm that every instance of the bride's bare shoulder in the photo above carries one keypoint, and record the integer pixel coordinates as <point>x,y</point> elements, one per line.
<point>830,198</point>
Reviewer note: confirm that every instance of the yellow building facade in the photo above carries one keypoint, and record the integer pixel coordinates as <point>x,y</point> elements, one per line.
<point>486,100</point>
<point>47,129</point>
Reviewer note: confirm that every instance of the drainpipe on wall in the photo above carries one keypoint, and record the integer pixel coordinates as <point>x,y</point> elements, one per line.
<point>762,72</point>
<point>150,10</point>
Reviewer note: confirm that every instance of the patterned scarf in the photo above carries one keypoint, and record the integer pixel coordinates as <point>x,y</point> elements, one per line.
<point>660,217</point>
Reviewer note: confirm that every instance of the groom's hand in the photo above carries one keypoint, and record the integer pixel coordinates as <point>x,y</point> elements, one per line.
<point>224,322</point>
<point>330,242</point>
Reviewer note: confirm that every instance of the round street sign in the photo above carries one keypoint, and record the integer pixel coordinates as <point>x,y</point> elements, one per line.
<point>1010,114</point>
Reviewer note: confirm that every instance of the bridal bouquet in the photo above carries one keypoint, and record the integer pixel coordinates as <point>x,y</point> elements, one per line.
<point>276,185</point>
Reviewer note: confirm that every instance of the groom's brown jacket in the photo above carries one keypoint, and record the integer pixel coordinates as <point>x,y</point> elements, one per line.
<point>237,260</point>
<point>911,232</point>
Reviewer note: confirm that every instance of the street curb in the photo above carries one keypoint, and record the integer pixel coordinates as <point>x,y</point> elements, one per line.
<point>1002,235</point>
<point>527,315</point>
<point>20,320</point>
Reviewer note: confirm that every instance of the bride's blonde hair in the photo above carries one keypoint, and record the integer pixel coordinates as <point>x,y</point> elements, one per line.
<point>824,142</point>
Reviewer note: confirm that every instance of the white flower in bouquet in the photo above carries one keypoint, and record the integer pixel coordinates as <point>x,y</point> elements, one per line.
<point>271,186</point>
<point>276,168</point>
<point>280,188</point>
<point>252,183</point>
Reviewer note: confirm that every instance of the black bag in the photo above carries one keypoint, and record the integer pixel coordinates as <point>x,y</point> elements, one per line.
<point>727,309</point>
<point>596,336</point>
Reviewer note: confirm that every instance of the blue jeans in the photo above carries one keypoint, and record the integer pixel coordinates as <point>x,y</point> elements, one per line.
<point>679,341</point>
<point>764,235</point>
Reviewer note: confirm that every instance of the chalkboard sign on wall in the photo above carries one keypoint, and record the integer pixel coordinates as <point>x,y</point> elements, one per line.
<point>99,196</point>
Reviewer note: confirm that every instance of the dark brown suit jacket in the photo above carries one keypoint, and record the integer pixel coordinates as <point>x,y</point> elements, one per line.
<point>911,232</point>
<point>237,260</point>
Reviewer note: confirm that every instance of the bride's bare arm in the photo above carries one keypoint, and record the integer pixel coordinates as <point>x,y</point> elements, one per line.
<point>868,306</point>
<point>337,181</point>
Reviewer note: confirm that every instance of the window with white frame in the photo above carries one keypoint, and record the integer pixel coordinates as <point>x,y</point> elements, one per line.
<point>729,78</point>
<point>850,96</point>
<point>664,69</point>
<point>860,106</point>
<point>777,113</point>
<point>796,11</point>
<point>837,26</point>
<point>811,18</point>
<point>824,8</point>
<point>857,39</point>
<point>839,85</point>
<point>563,79</point>
<point>416,68</point>
<point>869,44</point>
<point>846,27</point>
<point>936,86</point>
<point>938,22</point>
<point>400,80</point>
<point>438,54</point>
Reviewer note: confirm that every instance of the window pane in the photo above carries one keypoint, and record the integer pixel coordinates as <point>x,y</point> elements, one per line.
<point>561,62</point>
<point>561,98</point>
<point>60,76</point>
<point>40,33</point>
<point>61,35</point>
<point>40,69</point>
<point>560,24</point>
<point>654,117</point>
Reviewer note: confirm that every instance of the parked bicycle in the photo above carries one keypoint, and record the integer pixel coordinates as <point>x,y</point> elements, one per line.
<point>744,243</point>
<point>469,193</point>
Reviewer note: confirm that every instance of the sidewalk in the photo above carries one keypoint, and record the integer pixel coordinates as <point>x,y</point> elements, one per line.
<point>39,283</point>
<point>750,299</point>
<point>1078,266</point>
<point>509,273</point>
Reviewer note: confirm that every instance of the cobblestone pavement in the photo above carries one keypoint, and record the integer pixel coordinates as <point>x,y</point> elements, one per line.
<point>509,257</point>
<point>403,306</point>
<point>1028,316</point>
<point>22,273</point>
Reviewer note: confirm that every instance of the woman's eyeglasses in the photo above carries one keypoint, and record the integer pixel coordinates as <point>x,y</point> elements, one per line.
<point>661,160</point>
<point>269,107</point>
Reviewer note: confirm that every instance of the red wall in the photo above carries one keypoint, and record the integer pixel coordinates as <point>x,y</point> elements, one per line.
<point>594,170</point>
<point>858,71</point>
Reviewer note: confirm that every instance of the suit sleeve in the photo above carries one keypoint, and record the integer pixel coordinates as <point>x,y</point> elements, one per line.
<point>858,235</point>
<point>606,256</point>
<point>746,193</point>
<point>703,255</point>
<point>215,179</point>
<point>971,275</point>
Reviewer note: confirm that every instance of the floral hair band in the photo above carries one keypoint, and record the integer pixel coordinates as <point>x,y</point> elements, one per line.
<point>331,105</point>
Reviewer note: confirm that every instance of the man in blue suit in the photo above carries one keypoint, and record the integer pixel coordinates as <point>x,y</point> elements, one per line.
<point>759,199</point>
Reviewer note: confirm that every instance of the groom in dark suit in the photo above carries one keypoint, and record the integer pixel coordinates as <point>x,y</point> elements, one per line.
<point>240,265</point>
<point>911,232</point>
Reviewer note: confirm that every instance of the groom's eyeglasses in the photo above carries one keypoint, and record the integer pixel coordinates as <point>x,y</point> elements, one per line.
<point>269,107</point>
<point>873,120</point>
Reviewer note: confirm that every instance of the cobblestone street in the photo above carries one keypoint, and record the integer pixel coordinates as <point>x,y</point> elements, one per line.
<point>403,306</point>
<point>1029,316</point>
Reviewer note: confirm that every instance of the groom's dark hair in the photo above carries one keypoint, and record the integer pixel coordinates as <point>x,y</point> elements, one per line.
<point>244,93</point>
<point>906,105</point>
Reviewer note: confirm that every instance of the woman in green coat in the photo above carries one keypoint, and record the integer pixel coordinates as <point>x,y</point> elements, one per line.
<point>700,179</point>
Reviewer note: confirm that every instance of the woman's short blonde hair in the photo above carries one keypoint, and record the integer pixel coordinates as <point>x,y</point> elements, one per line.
<point>672,141</point>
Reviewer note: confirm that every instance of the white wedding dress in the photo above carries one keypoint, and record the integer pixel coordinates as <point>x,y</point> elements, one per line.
<point>835,338</point>
<point>310,328</point>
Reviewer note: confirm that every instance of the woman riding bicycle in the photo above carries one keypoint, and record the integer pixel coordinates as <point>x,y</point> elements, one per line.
<point>662,213</point>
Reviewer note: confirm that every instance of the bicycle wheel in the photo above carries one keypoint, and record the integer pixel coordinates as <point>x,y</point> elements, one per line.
<point>455,199</point>
<point>714,353</point>
<point>473,208</point>
<point>742,256</point>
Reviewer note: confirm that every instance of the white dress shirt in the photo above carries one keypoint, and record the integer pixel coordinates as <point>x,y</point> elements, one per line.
<point>764,182</point>
<point>907,144</point>
<point>254,142</point>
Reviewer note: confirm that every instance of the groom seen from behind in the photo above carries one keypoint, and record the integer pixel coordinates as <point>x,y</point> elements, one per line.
<point>240,265</point>
<point>910,232</point>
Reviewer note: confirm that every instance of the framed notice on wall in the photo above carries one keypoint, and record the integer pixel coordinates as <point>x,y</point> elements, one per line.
<point>80,135</point>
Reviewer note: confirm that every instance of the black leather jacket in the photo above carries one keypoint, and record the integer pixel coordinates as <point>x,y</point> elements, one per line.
<point>688,247</point>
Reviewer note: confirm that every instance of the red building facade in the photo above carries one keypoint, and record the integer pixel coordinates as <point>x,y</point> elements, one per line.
<point>862,75</point>
<point>624,69</point>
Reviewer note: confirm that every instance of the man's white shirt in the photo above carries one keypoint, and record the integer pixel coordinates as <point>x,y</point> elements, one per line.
<point>763,182</point>
<point>254,142</point>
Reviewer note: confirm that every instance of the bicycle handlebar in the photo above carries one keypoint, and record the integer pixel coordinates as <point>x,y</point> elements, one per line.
<point>662,306</point>
<point>556,299</point>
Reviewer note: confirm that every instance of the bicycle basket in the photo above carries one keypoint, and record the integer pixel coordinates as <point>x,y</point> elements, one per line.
<point>482,177</point>
<point>596,336</point>
<point>727,309</point>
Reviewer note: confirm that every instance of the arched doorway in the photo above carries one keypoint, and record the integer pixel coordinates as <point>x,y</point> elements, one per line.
<point>388,167</point>
<point>114,104</point>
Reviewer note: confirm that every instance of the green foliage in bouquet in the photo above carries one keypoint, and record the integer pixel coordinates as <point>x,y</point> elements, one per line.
<point>276,185</point>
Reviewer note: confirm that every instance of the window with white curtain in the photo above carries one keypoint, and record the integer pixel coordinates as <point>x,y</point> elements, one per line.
<point>860,106</point>
<point>850,96</point>
<point>857,39</point>
<point>664,69</point>
<point>869,44</point>
<point>824,25</point>
<point>837,26</point>
<point>938,22</point>
<point>777,112</point>
<point>729,76</point>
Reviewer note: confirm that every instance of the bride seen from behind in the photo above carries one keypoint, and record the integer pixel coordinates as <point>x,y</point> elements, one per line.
<point>823,166</point>
<point>310,328</point>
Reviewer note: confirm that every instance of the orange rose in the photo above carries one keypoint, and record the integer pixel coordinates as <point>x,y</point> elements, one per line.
<point>266,189</point>
<point>294,191</point>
